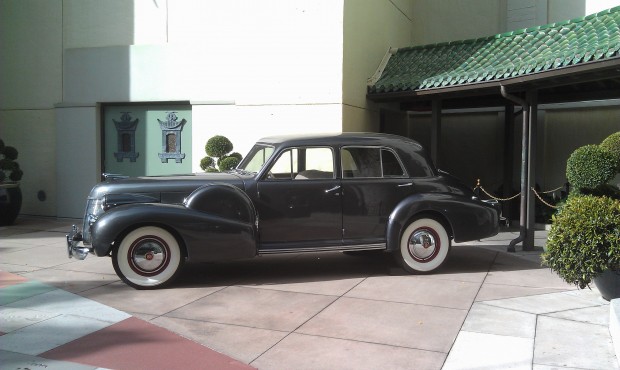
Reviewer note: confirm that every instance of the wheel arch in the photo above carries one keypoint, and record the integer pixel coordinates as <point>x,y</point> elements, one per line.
<point>409,210</point>
<point>174,232</point>
<point>114,225</point>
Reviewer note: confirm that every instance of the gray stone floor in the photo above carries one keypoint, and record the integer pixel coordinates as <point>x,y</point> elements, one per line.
<point>484,309</point>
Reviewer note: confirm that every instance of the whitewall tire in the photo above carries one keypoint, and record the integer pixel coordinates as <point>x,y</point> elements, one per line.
<point>424,246</point>
<point>148,257</point>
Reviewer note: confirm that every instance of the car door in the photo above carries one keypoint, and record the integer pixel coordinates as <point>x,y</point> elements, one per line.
<point>373,183</point>
<point>299,201</point>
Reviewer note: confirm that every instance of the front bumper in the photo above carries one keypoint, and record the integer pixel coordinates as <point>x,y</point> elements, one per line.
<point>74,238</point>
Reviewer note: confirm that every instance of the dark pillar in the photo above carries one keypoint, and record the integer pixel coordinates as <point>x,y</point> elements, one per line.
<point>436,131</point>
<point>532,98</point>
<point>509,129</point>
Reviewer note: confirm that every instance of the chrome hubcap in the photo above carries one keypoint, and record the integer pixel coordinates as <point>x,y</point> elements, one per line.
<point>148,256</point>
<point>423,245</point>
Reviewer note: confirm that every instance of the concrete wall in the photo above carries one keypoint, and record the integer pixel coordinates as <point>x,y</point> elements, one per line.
<point>30,85</point>
<point>571,128</point>
<point>472,142</point>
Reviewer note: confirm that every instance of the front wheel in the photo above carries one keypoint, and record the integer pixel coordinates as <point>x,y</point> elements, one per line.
<point>147,258</point>
<point>424,246</point>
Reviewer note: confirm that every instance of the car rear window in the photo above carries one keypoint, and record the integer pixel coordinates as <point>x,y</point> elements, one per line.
<point>370,162</point>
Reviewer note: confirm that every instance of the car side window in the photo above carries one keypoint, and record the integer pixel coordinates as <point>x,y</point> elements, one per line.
<point>370,162</point>
<point>303,164</point>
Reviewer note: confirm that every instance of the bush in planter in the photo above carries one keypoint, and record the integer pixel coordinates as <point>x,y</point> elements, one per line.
<point>584,240</point>
<point>10,193</point>
<point>589,168</point>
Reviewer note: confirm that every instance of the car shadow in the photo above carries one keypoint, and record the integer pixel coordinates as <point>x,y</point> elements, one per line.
<point>329,266</point>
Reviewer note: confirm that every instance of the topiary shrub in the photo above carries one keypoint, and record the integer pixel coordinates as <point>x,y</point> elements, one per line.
<point>584,240</point>
<point>612,146</point>
<point>206,163</point>
<point>228,163</point>
<point>9,168</point>
<point>590,167</point>
<point>218,147</point>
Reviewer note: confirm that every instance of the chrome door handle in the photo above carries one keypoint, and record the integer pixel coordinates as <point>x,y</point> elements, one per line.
<point>332,189</point>
<point>403,185</point>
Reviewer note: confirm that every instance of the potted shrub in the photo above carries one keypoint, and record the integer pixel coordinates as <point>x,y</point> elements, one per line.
<point>219,147</point>
<point>10,192</point>
<point>584,240</point>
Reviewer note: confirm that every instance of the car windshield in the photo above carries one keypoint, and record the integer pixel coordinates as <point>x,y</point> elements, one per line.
<point>256,158</point>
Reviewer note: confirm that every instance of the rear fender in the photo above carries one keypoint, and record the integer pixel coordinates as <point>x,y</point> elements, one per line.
<point>464,219</point>
<point>407,210</point>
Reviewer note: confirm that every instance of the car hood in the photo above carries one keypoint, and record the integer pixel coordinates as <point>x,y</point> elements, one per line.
<point>160,188</point>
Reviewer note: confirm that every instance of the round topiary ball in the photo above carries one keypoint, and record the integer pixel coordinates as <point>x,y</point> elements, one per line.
<point>228,163</point>
<point>590,167</point>
<point>612,145</point>
<point>10,153</point>
<point>218,146</point>
<point>16,175</point>
<point>236,155</point>
<point>206,162</point>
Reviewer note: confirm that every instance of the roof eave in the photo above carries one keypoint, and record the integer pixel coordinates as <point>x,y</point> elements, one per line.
<point>583,72</point>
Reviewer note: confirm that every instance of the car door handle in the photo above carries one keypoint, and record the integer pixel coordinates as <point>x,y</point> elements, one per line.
<point>332,189</point>
<point>403,185</point>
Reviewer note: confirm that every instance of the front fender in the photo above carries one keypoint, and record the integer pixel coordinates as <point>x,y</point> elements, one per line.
<point>205,237</point>
<point>466,219</point>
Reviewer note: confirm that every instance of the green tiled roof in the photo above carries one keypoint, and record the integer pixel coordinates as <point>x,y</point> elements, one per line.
<point>513,54</point>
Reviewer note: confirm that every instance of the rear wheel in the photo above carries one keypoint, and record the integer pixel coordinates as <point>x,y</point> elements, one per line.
<point>424,246</point>
<point>147,258</point>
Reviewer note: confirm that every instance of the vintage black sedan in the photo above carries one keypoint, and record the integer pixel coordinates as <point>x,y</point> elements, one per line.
<point>290,194</point>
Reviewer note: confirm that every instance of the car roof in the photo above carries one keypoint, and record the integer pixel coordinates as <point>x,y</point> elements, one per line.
<point>343,139</point>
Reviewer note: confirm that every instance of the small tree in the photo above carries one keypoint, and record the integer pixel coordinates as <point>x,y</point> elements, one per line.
<point>218,147</point>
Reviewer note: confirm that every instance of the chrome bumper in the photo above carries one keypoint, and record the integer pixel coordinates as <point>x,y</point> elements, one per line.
<point>74,238</point>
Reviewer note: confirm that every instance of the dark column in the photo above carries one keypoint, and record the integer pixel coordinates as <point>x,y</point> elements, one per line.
<point>436,131</point>
<point>509,128</point>
<point>532,98</point>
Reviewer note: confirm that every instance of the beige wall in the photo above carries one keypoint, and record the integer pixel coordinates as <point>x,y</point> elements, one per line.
<point>441,21</point>
<point>371,27</point>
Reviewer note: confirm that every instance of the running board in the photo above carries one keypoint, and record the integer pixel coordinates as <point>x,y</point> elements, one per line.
<point>336,248</point>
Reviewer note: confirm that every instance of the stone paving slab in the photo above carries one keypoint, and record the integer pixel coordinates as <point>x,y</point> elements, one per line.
<point>489,351</point>
<point>326,310</point>
<point>566,343</point>
<point>20,361</point>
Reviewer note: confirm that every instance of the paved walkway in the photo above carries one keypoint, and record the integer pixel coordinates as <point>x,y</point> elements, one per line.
<point>485,309</point>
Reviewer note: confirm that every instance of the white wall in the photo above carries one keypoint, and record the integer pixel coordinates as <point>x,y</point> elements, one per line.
<point>78,158</point>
